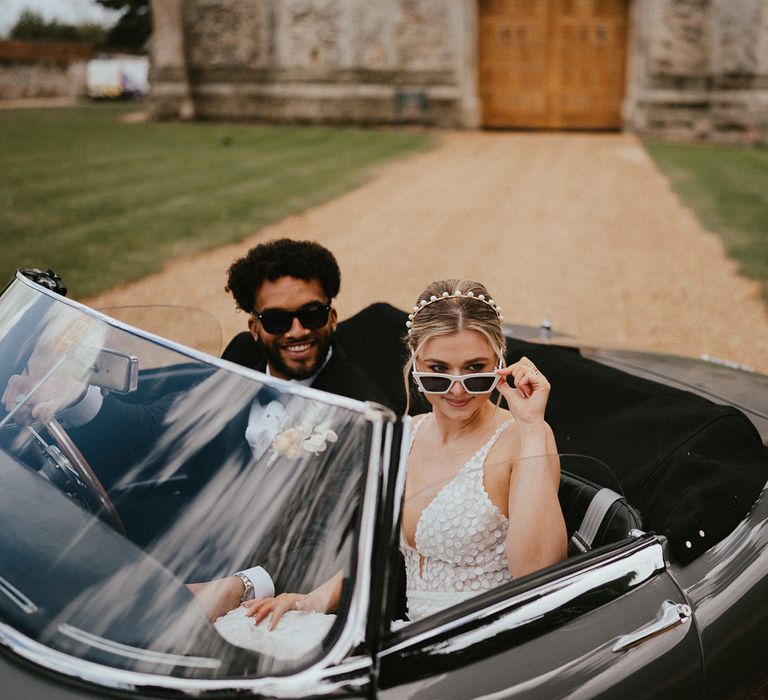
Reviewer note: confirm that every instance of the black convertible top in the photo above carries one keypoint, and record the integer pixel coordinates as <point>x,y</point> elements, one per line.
<point>692,467</point>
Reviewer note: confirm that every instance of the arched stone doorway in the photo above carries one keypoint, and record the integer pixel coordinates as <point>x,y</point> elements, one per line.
<point>552,64</point>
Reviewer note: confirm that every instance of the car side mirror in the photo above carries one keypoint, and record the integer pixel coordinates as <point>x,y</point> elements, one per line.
<point>45,278</point>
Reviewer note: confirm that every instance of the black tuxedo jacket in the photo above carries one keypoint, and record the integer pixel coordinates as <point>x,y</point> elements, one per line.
<point>339,376</point>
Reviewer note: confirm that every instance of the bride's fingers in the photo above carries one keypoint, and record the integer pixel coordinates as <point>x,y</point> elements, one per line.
<point>526,380</point>
<point>277,613</point>
<point>279,610</point>
<point>521,382</point>
<point>263,613</point>
<point>254,604</point>
<point>534,381</point>
<point>525,385</point>
<point>253,607</point>
<point>516,369</point>
<point>261,608</point>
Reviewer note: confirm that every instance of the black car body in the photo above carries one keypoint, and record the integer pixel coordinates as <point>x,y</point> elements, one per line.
<point>104,519</point>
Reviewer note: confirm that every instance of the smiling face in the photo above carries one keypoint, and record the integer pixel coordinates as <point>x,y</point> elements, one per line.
<point>299,352</point>
<point>463,352</point>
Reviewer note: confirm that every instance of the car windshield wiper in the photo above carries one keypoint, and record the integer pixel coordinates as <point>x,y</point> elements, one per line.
<point>17,597</point>
<point>136,653</point>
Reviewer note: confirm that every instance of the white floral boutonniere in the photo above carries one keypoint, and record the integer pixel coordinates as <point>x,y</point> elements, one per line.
<point>302,437</point>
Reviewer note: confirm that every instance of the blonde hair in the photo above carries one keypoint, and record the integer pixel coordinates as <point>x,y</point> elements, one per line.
<point>451,314</point>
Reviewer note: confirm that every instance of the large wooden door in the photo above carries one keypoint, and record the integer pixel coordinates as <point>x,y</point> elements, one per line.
<point>555,64</point>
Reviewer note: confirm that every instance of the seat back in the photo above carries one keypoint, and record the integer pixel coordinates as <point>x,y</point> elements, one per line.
<point>594,516</point>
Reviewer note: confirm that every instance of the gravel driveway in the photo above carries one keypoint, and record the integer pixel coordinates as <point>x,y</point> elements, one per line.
<point>580,229</point>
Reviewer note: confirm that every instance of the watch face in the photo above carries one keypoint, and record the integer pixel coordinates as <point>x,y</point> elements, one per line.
<point>248,587</point>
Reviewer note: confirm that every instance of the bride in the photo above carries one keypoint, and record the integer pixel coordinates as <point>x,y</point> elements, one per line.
<point>481,503</point>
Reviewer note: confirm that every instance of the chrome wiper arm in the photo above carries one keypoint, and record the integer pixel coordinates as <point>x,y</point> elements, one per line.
<point>17,597</point>
<point>136,653</point>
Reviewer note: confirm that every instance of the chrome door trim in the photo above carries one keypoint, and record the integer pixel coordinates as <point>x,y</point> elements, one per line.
<point>643,559</point>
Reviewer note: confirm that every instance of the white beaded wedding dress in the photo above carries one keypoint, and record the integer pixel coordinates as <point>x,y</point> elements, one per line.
<point>460,541</point>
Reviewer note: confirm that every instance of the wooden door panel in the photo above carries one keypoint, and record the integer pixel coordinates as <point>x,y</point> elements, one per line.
<point>513,68</point>
<point>552,63</point>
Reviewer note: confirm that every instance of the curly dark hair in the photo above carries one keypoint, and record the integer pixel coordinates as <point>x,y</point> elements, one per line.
<point>305,260</point>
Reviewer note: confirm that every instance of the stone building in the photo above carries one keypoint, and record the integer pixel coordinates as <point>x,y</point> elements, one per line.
<point>32,69</point>
<point>688,69</point>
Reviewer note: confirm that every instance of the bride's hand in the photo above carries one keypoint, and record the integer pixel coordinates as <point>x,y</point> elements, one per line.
<point>526,392</point>
<point>260,608</point>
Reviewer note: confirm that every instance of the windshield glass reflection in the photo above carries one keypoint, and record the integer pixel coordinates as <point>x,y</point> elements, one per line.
<point>130,470</point>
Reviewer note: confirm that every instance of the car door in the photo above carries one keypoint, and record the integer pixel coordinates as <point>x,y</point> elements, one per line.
<point>610,623</point>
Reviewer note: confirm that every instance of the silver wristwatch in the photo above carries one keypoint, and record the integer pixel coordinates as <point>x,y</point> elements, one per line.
<point>248,593</point>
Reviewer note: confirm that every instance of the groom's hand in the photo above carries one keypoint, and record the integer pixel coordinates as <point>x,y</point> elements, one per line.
<point>219,596</point>
<point>58,393</point>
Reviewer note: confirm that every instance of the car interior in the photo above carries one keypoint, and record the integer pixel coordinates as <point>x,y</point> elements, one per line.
<point>690,468</point>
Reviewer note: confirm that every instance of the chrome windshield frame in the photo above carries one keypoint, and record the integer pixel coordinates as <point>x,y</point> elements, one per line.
<point>192,353</point>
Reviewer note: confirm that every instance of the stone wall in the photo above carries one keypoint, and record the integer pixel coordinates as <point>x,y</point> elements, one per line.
<point>42,69</point>
<point>698,69</point>
<point>342,61</point>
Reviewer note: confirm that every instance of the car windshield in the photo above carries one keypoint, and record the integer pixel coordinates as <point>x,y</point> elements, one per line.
<point>132,467</point>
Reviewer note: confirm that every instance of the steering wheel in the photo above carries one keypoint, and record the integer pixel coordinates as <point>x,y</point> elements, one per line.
<point>66,467</point>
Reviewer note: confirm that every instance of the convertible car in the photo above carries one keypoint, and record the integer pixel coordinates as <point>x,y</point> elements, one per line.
<point>138,472</point>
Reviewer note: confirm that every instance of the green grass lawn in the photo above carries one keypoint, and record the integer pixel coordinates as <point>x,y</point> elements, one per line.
<point>727,187</point>
<point>101,201</point>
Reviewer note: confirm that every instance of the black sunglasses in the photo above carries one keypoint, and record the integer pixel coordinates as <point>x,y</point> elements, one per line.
<point>311,316</point>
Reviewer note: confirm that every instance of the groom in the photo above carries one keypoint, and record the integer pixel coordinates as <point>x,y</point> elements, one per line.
<point>287,287</point>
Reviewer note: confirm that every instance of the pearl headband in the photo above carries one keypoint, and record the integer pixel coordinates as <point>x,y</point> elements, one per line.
<point>447,295</point>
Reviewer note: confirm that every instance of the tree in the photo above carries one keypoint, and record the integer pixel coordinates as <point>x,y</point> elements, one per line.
<point>134,26</point>
<point>31,26</point>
